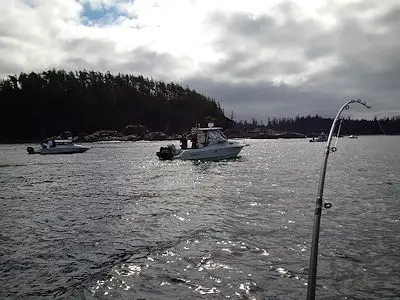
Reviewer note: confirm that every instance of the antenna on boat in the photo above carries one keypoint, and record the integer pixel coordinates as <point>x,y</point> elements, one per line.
<point>312,275</point>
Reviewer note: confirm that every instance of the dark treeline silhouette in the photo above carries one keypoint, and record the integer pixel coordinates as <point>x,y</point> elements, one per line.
<point>35,106</point>
<point>38,105</point>
<point>313,125</point>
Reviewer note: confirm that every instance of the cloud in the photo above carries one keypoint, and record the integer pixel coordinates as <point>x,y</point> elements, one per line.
<point>313,68</point>
<point>261,100</point>
<point>368,62</point>
<point>257,58</point>
<point>263,47</point>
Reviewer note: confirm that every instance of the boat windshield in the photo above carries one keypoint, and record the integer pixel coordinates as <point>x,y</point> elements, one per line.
<point>216,136</point>
<point>63,142</point>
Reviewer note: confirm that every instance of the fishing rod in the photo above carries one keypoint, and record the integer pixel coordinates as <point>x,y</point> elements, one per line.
<point>312,275</point>
<point>380,126</point>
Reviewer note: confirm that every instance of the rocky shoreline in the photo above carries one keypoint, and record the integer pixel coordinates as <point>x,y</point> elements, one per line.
<point>139,132</point>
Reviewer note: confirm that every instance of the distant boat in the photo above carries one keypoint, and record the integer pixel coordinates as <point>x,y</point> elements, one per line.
<point>207,144</point>
<point>353,137</point>
<point>57,147</point>
<point>321,138</point>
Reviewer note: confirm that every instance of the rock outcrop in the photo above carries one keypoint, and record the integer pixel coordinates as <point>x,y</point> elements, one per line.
<point>102,135</point>
<point>155,136</point>
<point>139,132</point>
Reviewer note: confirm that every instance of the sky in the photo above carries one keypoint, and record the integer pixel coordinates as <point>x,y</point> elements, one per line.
<point>258,59</point>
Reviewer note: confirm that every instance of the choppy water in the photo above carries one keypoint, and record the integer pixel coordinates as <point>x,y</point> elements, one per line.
<point>115,222</point>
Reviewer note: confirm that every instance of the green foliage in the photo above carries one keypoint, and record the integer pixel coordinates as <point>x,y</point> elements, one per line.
<point>35,106</point>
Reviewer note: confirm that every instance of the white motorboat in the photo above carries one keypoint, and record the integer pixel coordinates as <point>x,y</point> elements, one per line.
<point>321,138</point>
<point>206,144</point>
<point>353,137</point>
<point>58,147</point>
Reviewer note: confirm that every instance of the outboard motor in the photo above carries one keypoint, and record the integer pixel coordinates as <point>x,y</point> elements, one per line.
<point>166,153</point>
<point>30,150</point>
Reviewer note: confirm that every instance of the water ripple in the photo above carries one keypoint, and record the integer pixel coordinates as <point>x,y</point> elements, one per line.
<point>116,222</point>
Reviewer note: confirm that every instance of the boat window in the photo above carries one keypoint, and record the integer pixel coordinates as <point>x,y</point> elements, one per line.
<point>223,135</point>
<point>63,142</point>
<point>201,138</point>
<point>216,136</point>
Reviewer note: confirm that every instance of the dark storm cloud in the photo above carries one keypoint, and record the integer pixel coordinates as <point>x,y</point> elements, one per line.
<point>263,99</point>
<point>242,65</point>
<point>391,18</point>
<point>365,51</point>
<point>369,63</point>
<point>245,42</point>
<point>241,29</point>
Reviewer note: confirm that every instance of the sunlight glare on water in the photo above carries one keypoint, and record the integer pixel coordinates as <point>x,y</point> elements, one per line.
<point>115,222</point>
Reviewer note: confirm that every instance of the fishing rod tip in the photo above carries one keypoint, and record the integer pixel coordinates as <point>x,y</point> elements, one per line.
<point>363,103</point>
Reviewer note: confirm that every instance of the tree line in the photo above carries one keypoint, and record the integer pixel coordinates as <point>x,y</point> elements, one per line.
<point>35,106</point>
<point>39,105</point>
<point>313,125</point>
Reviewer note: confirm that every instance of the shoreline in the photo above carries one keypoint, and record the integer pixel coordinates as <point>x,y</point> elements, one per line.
<point>170,138</point>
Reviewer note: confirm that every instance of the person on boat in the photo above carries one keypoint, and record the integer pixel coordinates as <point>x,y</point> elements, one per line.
<point>184,143</point>
<point>51,144</point>
<point>194,141</point>
<point>202,140</point>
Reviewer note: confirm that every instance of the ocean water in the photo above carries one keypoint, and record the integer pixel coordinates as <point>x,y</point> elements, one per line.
<point>117,223</point>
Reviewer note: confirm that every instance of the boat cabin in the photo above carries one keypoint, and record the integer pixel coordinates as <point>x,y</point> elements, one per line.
<point>54,143</point>
<point>63,142</point>
<point>208,136</point>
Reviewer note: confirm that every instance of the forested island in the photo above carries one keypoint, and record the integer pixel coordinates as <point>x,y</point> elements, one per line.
<point>99,106</point>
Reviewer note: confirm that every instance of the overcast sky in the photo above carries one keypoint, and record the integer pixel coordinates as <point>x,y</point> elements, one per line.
<point>257,58</point>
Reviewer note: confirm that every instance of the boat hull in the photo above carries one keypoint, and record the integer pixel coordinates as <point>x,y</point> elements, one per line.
<point>59,150</point>
<point>64,151</point>
<point>212,153</point>
<point>318,141</point>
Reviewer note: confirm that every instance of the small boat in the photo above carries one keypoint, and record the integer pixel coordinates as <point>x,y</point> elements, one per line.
<point>206,144</point>
<point>353,137</point>
<point>57,147</point>
<point>321,138</point>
